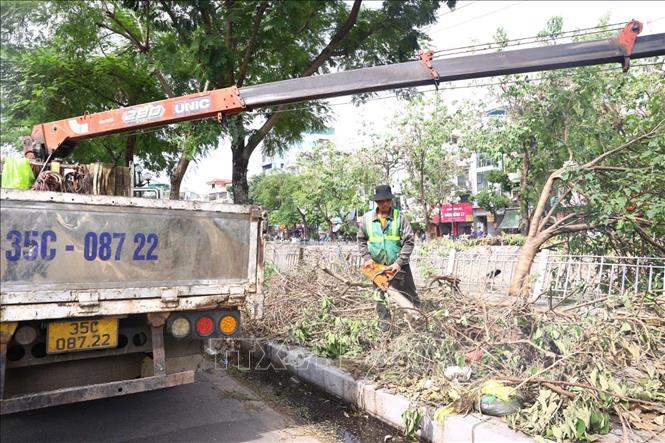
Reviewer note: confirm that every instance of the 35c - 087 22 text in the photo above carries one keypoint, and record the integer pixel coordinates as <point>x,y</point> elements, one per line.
<point>104,246</point>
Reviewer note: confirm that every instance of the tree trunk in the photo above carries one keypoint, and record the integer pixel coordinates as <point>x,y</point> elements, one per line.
<point>240,161</point>
<point>239,176</point>
<point>524,201</point>
<point>519,285</point>
<point>304,224</point>
<point>241,156</point>
<point>129,149</point>
<point>177,176</point>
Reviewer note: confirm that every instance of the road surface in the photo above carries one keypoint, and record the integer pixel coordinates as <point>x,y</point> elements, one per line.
<point>217,408</point>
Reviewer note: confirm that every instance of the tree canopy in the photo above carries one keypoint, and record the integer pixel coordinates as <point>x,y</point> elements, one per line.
<point>172,48</point>
<point>588,142</point>
<point>328,185</point>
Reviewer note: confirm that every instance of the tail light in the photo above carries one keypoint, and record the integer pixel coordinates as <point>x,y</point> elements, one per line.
<point>205,326</point>
<point>179,327</point>
<point>25,335</point>
<point>228,324</point>
<point>218,323</point>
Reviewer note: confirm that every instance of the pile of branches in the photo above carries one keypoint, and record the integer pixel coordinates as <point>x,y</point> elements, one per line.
<point>576,371</point>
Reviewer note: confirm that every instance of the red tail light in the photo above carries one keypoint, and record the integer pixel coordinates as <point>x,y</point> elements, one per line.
<point>205,326</point>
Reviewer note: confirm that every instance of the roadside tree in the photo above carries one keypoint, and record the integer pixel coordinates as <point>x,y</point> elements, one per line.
<point>587,143</point>
<point>334,184</point>
<point>424,134</point>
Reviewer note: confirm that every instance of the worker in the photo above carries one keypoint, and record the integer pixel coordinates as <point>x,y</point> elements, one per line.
<point>386,237</point>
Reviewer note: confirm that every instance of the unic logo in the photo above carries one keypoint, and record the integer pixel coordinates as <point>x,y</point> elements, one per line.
<point>142,113</point>
<point>192,106</point>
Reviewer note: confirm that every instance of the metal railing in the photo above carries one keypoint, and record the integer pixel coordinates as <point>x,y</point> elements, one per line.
<point>568,275</point>
<point>554,276</point>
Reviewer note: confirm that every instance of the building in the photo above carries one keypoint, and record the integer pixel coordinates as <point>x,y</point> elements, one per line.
<point>460,216</point>
<point>288,160</point>
<point>219,191</point>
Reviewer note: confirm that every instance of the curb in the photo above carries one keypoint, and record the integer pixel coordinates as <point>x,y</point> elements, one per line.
<point>385,405</point>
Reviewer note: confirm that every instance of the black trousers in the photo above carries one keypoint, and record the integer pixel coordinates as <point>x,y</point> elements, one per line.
<point>402,282</point>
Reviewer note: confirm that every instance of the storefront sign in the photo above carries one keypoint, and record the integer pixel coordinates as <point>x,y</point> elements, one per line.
<point>459,212</point>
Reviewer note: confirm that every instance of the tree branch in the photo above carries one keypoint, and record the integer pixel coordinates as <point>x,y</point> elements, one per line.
<point>644,136</point>
<point>335,40</point>
<point>242,72</point>
<point>542,223</point>
<point>542,201</point>
<point>562,221</point>
<point>567,229</point>
<point>611,168</point>
<point>228,30</point>
<point>174,20</point>
<point>114,31</point>
<point>127,33</point>
<point>147,26</point>
<point>259,135</point>
<point>648,239</point>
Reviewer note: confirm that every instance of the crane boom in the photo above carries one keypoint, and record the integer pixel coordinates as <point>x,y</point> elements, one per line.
<point>61,136</point>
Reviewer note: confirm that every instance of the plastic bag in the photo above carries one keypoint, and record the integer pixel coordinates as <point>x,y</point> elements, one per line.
<point>17,173</point>
<point>497,389</point>
<point>492,405</point>
<point>496,399</point>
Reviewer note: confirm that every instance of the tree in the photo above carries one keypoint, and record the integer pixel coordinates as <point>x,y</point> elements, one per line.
<point>330,184</point>
<point>424,133</point>
<point>586,142</point>
<point>277,193</point>
<point>334,183</point>
<point>48,81</point>
<point>386,153</point>
<point>193,46</point>
<point>601,135</point>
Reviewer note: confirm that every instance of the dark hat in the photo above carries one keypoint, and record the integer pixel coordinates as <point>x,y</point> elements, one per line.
<point>383,192</point>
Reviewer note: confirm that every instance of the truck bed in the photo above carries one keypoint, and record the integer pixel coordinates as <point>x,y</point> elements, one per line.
<point>68,255</point>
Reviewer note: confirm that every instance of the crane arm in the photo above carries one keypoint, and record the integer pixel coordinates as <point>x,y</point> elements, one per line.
<point>61,136</point>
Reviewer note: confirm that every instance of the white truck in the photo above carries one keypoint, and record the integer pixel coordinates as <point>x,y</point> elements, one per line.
<point>99,293</point>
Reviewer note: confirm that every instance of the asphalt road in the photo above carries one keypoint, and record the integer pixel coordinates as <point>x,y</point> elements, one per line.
<point>215,408</point>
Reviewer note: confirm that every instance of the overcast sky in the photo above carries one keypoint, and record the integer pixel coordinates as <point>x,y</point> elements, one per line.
<point>471,23</point>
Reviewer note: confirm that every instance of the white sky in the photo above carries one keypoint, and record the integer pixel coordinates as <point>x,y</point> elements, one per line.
<point>472,22</point>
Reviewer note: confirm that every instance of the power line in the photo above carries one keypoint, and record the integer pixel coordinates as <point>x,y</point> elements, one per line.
<point>481,16</point>
<point>500,46</point>
<point>562,34</point>
<point>480,47</point>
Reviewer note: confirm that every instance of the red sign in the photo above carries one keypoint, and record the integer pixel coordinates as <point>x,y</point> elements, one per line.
<point>459,212</point>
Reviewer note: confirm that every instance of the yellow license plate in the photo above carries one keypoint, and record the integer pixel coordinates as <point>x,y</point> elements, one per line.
<point>82,335</point>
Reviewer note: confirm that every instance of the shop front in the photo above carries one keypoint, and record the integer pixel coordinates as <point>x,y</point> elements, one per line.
<point>452,220</point>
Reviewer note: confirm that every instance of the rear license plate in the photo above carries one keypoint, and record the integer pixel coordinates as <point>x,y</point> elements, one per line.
<point>82,335</point>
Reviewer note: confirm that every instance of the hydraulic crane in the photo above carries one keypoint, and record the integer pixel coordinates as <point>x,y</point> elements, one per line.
<point>60,137</point>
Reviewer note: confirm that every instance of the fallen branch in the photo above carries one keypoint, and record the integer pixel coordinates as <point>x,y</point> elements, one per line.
<point>346,281</point>
<point>656,406</point>
<point>582,305</point>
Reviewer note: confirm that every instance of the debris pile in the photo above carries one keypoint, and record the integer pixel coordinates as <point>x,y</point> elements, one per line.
<point>572,373</point>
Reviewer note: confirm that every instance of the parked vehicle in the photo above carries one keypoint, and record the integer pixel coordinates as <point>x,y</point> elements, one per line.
<point>101,293</point>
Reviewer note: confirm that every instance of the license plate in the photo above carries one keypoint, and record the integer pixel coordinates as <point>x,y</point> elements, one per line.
<point>82,335</point>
